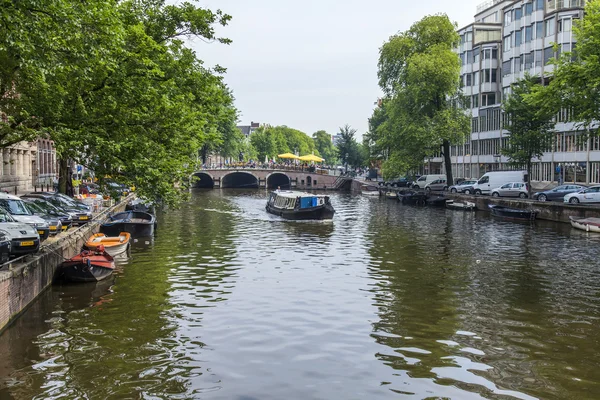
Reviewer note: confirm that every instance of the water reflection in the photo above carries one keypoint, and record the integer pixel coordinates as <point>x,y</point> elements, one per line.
<point>386,301</point>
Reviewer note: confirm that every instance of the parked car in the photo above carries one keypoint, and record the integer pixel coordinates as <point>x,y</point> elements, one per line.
<point>512,189</point>
<point>437,186</point>
<point>19,211</point>
<point>424,180</point>
<point>78,215</point>
<point>73,202</point>
<point>397,182</point>
<point>463,187</point>
<point>495,179</point>
<point>4,246</point>
<point>42,206</point>
<point>54,221</point>
<point>558,193</point>
<point>588,195</point>
<point>24,238</point>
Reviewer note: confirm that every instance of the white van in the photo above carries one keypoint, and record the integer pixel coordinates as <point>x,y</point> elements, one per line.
<point>492,180</point>
<point>424,180</point>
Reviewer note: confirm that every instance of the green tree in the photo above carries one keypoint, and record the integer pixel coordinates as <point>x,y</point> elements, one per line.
<point>419,73</point>
<point>530,127</point>
<point>324,146</point>
<point>271,141</point>
<point>348,148</point>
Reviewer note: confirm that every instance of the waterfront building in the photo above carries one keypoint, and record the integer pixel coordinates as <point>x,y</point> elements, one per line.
<point>247,130</point>
<point>508,39</point>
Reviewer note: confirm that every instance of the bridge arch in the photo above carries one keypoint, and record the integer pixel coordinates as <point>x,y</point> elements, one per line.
<point>278,179</point>
<point>239,180</point>
<point>203,180</point>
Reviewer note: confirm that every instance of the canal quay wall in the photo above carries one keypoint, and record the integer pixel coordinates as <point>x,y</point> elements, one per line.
<point>22,280</point>
<point>547,210</point>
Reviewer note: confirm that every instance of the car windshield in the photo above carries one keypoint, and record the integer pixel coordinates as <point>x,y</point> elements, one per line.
<point>44,205</point>
<point>5,217</point>
<point>33,208</point>
<point>15,207</point>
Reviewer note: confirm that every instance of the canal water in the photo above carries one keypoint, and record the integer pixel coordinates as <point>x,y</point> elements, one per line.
<point>384,302</point>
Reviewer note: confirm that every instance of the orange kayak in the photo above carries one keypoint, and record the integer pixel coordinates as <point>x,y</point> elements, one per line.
<point>113,245</point>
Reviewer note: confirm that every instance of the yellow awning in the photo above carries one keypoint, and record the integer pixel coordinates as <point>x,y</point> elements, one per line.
<point>311,157</point>
<point>288,155</point>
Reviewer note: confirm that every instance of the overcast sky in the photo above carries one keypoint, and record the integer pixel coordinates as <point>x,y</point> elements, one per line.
<point>312,64</point>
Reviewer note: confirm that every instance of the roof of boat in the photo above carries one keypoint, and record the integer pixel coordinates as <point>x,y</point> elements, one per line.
<point>294,194</point>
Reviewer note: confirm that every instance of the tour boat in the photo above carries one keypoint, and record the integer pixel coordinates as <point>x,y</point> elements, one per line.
<point>137,223</point>
<point>367,190</point>
<point>586,224</point>
<point>512,213</point>
<point>466,206</point>
<point>294,205</point>
<point>113,245</point>
<point>89,266</point>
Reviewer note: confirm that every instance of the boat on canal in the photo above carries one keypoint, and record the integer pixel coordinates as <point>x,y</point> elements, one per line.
<point>89,266</point>
<point>391,195</point>
<point>466,206</point>
<point>414,198</point>
<point>586,224</point>
<point>438,201</point>
<point>113,245</point>
<point>293,205</point>
<point>367,190</point>
<point>512,213</point>
<point>137,223</point>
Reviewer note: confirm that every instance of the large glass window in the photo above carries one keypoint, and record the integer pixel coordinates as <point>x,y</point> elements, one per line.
<point>529,60</point>
<point>538,58</point>
<point>507,18</point>
<point>469,82</point>
<point>518,38</point>
<point>507,42</point>
<point>476,56</point>
<point>506,67</point>
<point>539,30</point>
<point>528,9</point>
<point>548,54</point>
<point>528,33</point>
<point>518,14</point>
<point>518,67</point>
<point>550,26</point>
<point>539,4</point>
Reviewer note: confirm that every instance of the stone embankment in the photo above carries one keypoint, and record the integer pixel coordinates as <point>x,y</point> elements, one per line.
<point>23,279</point>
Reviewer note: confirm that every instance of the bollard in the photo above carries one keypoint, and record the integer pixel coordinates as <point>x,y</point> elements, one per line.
<point>15,190</point>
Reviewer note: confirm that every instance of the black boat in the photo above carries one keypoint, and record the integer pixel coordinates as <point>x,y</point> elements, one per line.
<point>299,206</point>
<point>512,213</point>
<point>140,205</point>
<point>414,198</point>
<point>88,266</point>
<point>137,223</point>
<point>438,201</point>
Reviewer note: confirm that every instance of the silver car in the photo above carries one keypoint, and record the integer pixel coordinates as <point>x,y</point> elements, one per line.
<point>512,189</point>
<point>437,186</point>
<point>463,187</point>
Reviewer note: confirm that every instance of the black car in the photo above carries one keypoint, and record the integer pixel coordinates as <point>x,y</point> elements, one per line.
<point>49,212</point>
<point>558,193</point>
<point>397,182</point>
<point>78,215</point>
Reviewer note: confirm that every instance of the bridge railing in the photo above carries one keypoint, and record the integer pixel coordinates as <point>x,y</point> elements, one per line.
<point>277,167</point>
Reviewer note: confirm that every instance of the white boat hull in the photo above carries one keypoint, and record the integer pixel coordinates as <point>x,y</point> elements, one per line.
<point>588,225</point>
<point>370,193</point>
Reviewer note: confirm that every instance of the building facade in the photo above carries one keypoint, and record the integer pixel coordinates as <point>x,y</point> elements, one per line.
<point>27,165</point>
<point>507,40</point>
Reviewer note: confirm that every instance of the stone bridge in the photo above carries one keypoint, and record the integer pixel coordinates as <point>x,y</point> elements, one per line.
<point>267,178</point>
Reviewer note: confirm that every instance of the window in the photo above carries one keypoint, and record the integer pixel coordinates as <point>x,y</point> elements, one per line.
<point>518,13</point>
<point>488,75</point>
<point>518,38</point>
<point>506,68</point>
<point>469,37</point>
<point>518,67</point>
<point>494,54</point>
<point>475,101</point>
<point>564,25</point>
<point>507,18</point>
<point>528,33</point>
<point>476,56</point>
<point>528,9</point>
<point>539,4</point>
<point>548,54</point>
<point>488,99</point>
<point>507,42</point>
<point>469,57</point>
<point>468,80</point>
<point>550,25</point>
<point>537,58</point>
<point>539,30</point>
<point>529,60</point>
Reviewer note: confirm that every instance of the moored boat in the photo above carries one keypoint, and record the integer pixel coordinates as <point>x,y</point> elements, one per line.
<point>466,206</point>
<point>414,198</point>
<point>438,201</point>
<point>113,245</point>
<point>391,195</point>
<point>89,266</point>
<point>368,190</point>
<point>512,213</point>
<point>137,223</point>
<point>586,224</point>
<point>295,205</point>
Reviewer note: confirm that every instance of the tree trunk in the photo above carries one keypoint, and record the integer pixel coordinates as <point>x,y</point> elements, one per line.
<point>63,175</point>
<point>448,163</point>
<point>529,189</point>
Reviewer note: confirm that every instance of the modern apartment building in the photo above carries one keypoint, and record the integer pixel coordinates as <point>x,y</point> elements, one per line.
<point>508,39</point>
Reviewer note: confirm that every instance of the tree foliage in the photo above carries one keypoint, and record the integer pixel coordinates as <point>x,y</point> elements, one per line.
<point>349,150</point>
<point>419,73</point>
<point>115,87</point>
<point>325,147</point>
<point>268,142</point>
<point>530,127</point>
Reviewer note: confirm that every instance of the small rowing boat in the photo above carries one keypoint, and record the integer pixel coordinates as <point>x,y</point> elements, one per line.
<point>113,245</point>
<point>367,190</point>
<point>137,223</point>
<point>89,266</point>
<point>586,224</point>
<point>512,213</point>
<point>466,206</point>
